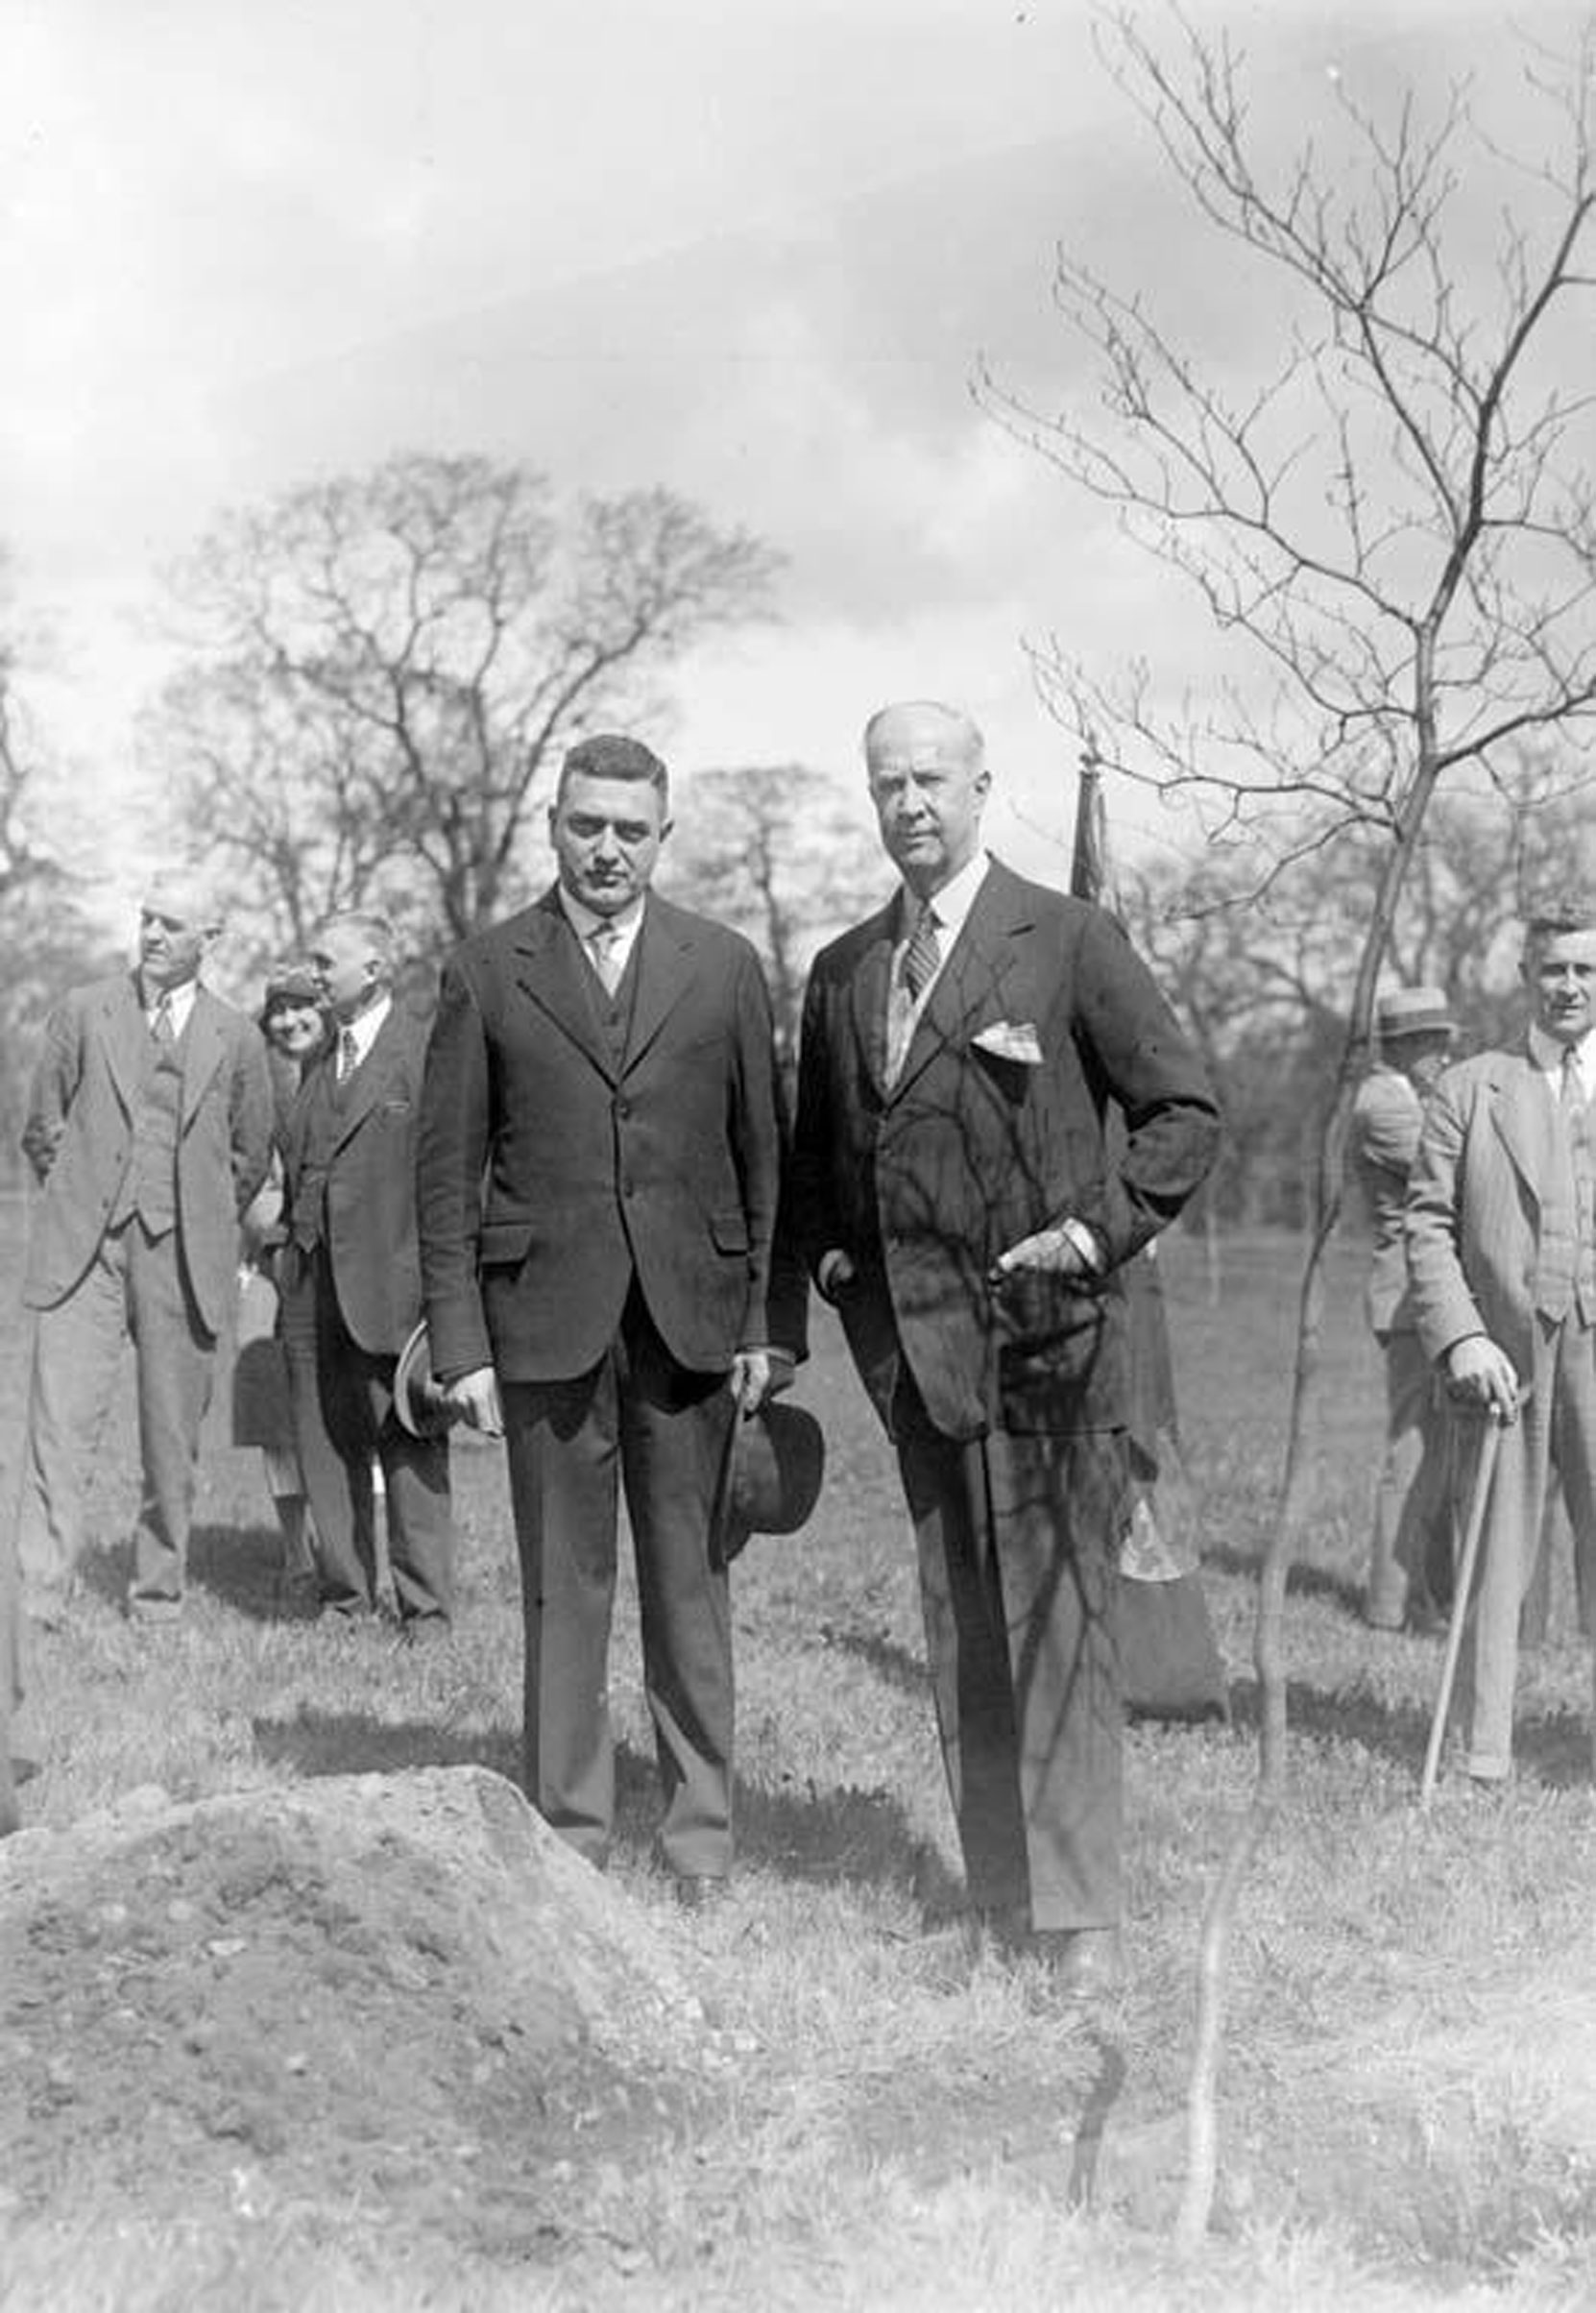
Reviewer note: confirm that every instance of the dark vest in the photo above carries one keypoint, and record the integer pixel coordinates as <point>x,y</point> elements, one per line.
<point>323,1121</point>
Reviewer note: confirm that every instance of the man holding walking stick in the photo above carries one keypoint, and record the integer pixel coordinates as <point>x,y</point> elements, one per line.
<point>1501,1243</point>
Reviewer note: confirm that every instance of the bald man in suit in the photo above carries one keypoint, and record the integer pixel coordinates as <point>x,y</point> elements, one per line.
<point>149,1130</point>
<point>956,1194</point>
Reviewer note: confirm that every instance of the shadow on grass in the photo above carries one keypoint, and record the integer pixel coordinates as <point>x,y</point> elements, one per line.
<point>240,1565</point>
<point>895,1666</point>
<point>1551,1747</point>
<point>1302,1581</point>
<point>344,1743</point>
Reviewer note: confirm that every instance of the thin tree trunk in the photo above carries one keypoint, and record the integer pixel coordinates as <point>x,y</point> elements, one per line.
<point>1295,1506</point>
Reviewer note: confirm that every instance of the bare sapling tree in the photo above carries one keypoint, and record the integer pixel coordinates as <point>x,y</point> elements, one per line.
<point>1390,526</point>
<point>383,671</point>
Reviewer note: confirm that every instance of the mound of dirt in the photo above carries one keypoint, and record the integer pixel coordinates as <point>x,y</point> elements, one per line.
<point>400,1992</point>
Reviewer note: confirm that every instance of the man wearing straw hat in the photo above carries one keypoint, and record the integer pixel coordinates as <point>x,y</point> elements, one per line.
<point>1502,1263</point>
<point>1410,1553</point>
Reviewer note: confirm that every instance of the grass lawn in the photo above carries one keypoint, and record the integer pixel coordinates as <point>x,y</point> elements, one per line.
<point>902,2132</point>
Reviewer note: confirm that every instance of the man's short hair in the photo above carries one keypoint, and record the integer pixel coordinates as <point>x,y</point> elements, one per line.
<point>373,927</point>
<point>608,755</point>
<point>1553,917</point>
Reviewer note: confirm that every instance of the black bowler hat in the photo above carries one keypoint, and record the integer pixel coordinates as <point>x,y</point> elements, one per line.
<point>769,1478</point>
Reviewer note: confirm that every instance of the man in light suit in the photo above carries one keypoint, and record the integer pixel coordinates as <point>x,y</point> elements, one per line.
<point>953,1192</point>
<point>1410,1553</point>
<point>350,1276</point>
<point>599,1182</point>
<point>149,1130</point>
<point>1502,1265</point>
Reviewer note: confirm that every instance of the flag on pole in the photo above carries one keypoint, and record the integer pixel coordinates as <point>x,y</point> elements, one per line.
<point>1170,1664</point>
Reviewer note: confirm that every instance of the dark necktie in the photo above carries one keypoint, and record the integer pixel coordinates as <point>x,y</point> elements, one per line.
<point>348,1055</point>
<point>923,954</point>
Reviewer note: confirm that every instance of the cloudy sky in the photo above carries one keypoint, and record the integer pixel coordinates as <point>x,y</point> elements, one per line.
<point>752,252</point>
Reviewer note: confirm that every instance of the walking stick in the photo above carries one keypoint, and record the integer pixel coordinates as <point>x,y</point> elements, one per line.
<point>1465,1583</point>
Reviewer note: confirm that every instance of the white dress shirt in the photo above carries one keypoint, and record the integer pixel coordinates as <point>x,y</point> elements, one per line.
<point>949,909</point>
<point>178,1002</point>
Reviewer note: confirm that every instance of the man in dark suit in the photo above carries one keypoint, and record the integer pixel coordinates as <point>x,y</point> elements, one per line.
<point>598,1183</point>
<point>148,1129</point>
<point>351,1284</point>
<point>953,1193</point>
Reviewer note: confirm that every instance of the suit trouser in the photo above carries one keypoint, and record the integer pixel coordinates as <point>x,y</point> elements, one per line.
<point>1556,1430</point>
<point>636,1420</point>
<point>136,1285</point>
<point>1411,1553</point>
<point>1018,1537</point>
<point>342,1397</point>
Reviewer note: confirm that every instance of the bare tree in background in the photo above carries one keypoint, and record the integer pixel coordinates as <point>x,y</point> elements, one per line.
<point>44,934</point>
<point>1267,979</point>
<point>779,853</point>
<point>1393,531</point>
<point>384,671</point>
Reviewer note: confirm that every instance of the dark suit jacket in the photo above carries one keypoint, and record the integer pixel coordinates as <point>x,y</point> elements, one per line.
<point>550,1175</point>
<point>368,1220</point>
<point>924,1183</point>
<point>79,1137</point>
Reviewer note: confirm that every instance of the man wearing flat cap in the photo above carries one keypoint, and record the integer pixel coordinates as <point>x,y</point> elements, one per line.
<point>958,1194</point>
<point>1410,1553</point>
<point>148,1129</point>
<point>1501,1268</point>
<point>598,1172</point>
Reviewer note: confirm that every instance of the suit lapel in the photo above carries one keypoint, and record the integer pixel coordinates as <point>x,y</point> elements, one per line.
<point>372,1078</point>
<point>204,1042</point>
<point>126,1034</point>
<point>871,983</point>
<point>1526,1117</point>
<point>981,961</point>
<point>664,955</point>
<point>551,971</point>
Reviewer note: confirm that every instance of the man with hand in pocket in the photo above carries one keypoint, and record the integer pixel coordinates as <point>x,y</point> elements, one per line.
<point>956,1193</point>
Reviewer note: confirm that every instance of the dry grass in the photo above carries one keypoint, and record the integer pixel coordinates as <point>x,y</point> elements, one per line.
<point>902,2129</point>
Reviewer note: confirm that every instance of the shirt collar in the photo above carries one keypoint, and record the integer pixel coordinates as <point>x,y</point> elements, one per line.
<point>364,1027</point>
<point>952,905</point>
<point>178,1002</point>
<point>1546,1051</point>
<point>586,921</point>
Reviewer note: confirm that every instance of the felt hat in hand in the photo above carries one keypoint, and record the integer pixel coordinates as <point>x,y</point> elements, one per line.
<point>769,1478</point>
<point>419,1399</point>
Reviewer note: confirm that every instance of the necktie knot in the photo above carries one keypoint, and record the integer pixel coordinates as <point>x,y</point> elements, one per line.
<point>604,947</point>
<point>923,954</point>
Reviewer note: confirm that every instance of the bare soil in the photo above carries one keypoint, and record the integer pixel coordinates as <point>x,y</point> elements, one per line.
<point>395,1994</point>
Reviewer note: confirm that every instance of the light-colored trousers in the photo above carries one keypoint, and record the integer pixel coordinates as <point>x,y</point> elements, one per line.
<point>136,1286</point>
<point>1556,1430</point>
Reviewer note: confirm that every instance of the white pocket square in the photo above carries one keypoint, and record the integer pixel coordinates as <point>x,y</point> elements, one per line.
<point>1010,1040</point>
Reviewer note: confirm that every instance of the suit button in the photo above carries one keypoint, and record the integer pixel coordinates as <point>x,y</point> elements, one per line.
<point>626,1188</point>
<point>623,1109</point>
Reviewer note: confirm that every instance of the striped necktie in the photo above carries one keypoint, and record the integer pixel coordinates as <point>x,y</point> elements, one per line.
<point>348,1055</point>
<point>923,954</point>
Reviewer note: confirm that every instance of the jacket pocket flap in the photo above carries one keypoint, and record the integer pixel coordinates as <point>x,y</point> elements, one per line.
<point>505,1240</point>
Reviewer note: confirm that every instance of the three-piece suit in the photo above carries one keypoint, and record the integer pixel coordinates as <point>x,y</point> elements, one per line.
<point>350,1276</point>
<point>1501,1242</point>
<point>1006,1401</point>
<point>146,1155</point>
<point>598,1180</point>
